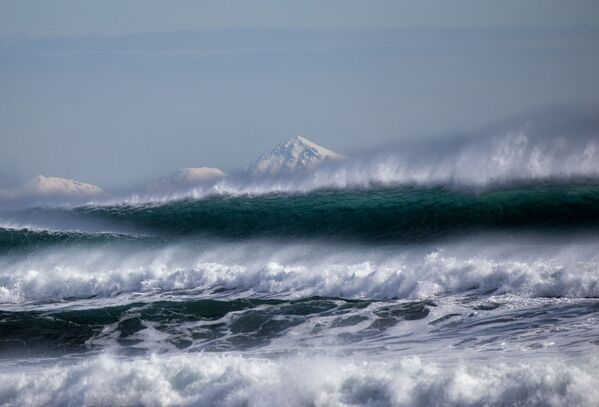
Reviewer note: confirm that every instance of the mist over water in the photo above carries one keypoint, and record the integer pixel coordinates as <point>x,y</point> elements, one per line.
<point>525,154</point>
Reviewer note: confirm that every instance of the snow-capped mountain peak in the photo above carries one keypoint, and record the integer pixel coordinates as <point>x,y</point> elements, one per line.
<point>296,154</point>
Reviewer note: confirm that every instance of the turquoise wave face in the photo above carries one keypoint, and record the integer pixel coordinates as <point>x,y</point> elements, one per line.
<point>24,240</point>
<point>383,215</point>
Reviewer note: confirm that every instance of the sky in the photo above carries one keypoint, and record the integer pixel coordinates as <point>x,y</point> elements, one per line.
<point>119,92</point>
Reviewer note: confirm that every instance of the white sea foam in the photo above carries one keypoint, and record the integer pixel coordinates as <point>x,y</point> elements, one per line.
<point>483,264</point>
<point>229,380</point>
<point>522,155</point>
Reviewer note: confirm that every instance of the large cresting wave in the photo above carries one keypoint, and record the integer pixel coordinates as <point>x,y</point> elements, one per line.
<point>389,215</point>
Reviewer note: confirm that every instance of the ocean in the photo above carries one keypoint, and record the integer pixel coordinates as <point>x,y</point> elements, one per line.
<point>439,293</point>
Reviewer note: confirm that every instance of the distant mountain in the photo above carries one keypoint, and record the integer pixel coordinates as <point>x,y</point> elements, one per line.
<point>187,178</point>
<point>297,154</point>
<point>58,187</point>
<point>41,189</point>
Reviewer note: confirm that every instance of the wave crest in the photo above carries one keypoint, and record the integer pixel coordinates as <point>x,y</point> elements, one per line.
<point>522,268</point>
<point>521,156</point>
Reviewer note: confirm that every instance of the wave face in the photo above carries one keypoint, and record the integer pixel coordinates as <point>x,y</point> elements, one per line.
<point>382,215</point>
<point>388,214</point>
<point>465,275</point>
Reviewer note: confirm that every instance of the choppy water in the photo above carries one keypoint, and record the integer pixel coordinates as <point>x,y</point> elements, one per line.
<point>388,296</point>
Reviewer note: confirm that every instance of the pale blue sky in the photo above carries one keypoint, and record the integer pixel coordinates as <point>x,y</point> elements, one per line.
<point>113,92</point>
<point>114,17</point>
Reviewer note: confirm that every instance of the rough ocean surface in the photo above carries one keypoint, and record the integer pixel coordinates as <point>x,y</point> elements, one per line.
<point>408,278</point>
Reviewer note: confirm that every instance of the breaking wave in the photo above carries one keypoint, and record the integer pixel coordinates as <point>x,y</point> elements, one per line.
<point>523,266</point>
<point>381,215</point>
<point>229,380</point>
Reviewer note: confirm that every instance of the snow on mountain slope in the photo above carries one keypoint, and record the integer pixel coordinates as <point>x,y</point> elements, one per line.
<point>54,186</point>
<point>54,190</point>
<point>187,178</point>
<point>297,154</point>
